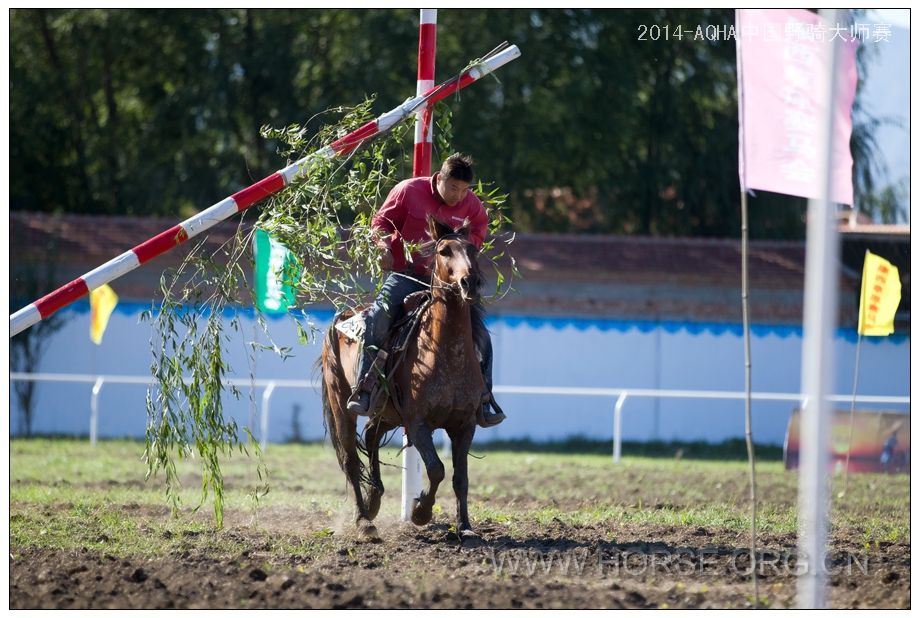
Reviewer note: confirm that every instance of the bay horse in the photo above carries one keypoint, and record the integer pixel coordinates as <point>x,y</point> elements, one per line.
<point>437,385</point>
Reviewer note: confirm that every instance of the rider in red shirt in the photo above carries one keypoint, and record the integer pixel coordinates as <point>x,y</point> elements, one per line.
<point>446,196</point>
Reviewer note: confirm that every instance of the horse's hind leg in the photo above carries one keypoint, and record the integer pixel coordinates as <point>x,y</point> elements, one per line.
<point>420,435</point>
<point>460,441</point>
<point>374,489</point>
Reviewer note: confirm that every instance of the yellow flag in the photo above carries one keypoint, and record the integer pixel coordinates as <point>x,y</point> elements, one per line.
<point>102,302</point>
<point>881,294</point>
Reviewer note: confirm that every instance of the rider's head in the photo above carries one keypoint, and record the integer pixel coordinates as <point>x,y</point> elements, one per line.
<point>453,181</point>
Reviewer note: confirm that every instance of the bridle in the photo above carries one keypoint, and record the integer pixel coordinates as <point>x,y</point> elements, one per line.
<point>441,284</point>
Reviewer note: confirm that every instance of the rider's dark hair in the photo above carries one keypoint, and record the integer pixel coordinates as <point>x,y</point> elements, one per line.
<point>458,167</point>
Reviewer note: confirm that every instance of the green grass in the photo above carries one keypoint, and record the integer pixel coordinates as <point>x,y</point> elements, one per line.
<point>735,449</point>
<point>66,494</point>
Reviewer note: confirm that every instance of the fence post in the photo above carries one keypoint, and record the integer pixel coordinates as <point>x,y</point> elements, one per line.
<point>618,426</point>
<point>446,448</point>
<point>94,410</point>
<point>263,416</point>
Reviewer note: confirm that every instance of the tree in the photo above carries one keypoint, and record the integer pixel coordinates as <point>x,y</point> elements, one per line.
<point>33,277</point>
<point>592,130</point>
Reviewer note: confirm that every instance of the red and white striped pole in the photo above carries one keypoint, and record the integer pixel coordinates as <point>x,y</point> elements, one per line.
<point>421,166</point>
<point>241,200</point>
<point>427,44</point>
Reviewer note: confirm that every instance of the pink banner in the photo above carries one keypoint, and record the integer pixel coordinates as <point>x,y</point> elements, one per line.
<point>783,57</point>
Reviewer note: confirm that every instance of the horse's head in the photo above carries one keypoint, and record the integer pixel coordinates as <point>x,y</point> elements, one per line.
<point>454,265</point>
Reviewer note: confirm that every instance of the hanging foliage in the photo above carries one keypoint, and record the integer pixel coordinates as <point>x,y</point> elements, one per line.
<point>325,220</point>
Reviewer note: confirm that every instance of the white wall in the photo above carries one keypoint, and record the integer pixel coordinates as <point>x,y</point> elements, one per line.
<point>528,351</point>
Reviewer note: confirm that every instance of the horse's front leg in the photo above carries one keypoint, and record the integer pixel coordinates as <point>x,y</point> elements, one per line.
<point>420,434</point>
<point>461,439</point>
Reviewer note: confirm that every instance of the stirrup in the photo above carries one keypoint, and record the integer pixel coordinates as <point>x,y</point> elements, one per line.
<point>492,419</point>
<point>359,402</point>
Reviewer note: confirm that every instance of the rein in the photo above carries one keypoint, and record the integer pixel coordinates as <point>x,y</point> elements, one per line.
<point>454,287</point>
<point>441,284</point>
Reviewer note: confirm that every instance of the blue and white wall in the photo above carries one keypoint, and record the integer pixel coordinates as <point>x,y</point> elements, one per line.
<point>529,351</point>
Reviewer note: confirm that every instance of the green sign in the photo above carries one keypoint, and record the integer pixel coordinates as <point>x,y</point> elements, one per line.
<point>273,259</point>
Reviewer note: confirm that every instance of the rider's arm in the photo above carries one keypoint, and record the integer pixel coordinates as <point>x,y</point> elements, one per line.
<point>387,223</point>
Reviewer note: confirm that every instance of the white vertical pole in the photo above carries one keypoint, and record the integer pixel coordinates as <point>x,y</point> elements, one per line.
<point>820,320</point>
<point>411,479</point>
<point>428,19</point>
<point>94,411</point>
<point>446,449</point>
<point>846,467</point>
<point>263,420</point>
<point>618,427</point>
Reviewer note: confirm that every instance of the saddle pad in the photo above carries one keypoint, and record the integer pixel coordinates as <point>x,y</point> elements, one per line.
<point>352,328</point>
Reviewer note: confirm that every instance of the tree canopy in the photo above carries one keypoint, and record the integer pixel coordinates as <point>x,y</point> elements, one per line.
<point>158,112</point>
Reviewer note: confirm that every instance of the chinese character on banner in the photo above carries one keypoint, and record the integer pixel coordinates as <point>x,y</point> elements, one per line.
<point>880,296</point>
<point>776,92</point>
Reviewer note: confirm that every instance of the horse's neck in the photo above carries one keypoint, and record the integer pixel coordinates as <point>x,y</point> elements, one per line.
<point>450,326</point>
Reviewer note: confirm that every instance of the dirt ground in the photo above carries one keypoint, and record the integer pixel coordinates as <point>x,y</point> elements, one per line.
<point>535,566</point>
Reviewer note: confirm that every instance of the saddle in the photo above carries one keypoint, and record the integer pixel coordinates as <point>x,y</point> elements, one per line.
<point>391,356</point>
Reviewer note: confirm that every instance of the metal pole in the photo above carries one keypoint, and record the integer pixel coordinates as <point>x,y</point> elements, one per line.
<point>820,318</point>
<point>253,370</point>
<point>94,410</point>
<point>746,324</point>
<point>446,449</point>
<point>263,424</point>
<point>421,166</point>
<point>427,44</point>
<point>748,437</point>
<point>241,200</point>
<point>618,427</point>
<point>411,479</point>
<point>846,468</point>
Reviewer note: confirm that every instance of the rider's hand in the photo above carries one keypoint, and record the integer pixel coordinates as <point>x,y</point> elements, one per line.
<point>386,260</point>
<point>386,254</point>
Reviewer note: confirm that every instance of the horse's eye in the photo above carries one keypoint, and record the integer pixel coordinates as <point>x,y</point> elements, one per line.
<point>445,251</point>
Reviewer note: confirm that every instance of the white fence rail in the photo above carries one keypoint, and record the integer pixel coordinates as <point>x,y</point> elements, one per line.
<point>618,395</point>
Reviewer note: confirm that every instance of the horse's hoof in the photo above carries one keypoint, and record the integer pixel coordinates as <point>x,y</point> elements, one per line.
<point>469,535</point>
<point>469,538</point>
<point>420,517</point>
<point>367,532</point>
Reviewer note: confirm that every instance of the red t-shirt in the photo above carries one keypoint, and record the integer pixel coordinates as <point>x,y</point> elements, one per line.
<point>403,216</point>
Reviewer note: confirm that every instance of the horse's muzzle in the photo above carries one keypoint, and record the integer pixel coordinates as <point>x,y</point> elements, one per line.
<point>470,286</point>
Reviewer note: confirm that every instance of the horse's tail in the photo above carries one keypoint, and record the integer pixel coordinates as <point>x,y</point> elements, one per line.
<point>334,384</point>
<point>329,362</point>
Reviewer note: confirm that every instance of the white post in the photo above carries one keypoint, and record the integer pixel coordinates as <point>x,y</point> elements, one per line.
<point>820,320</point>
<point>446,449</point>
<point>411,479</point>
<point>263,418</point>
<point>94,410</point>
<point>618,427</point>
<point>421,166</point>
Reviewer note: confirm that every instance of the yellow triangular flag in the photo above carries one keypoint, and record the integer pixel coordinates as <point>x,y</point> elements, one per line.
<point>880,296</point>
<point>102,302</point>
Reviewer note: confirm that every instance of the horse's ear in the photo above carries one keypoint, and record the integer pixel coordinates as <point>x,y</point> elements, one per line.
<point>436,229</point>
<point>464,229</point>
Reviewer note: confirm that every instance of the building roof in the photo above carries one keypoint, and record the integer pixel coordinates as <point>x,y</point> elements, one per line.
<point>561,274</point>
<point>655,259</point>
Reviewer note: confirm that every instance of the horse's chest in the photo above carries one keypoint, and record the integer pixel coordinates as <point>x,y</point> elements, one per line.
<point>450,382</point>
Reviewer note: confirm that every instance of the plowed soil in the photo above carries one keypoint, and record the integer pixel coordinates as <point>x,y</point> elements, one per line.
<point>546,566</point>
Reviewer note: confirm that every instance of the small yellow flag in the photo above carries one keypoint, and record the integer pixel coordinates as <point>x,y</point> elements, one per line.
<point>102,302</point>
<point>881,294</point>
